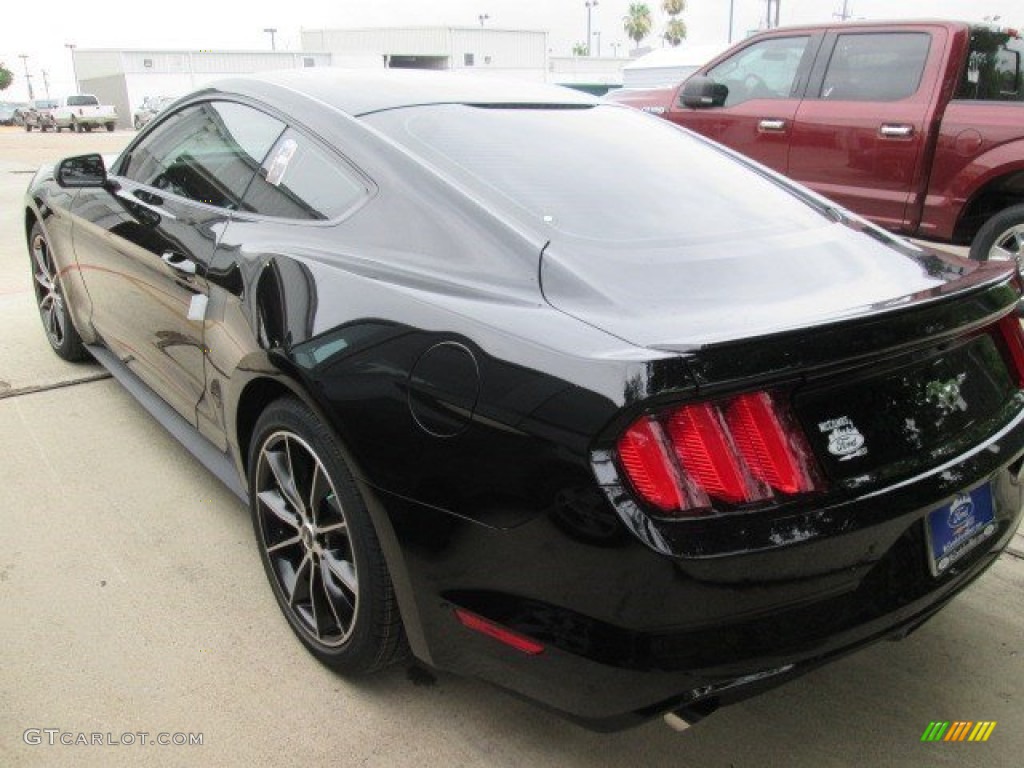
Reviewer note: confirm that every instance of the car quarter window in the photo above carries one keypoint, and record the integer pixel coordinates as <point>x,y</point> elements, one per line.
<point>993,68</point>
<point>765,70</point>
<point>884,66</point>
<point>300,180</point>
<point>207,152</point>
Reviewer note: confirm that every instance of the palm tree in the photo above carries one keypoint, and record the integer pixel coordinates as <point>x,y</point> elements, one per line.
<point>637,23</point>
<point>579,49</point>
<point>675,32</point>
<point>675,29</point>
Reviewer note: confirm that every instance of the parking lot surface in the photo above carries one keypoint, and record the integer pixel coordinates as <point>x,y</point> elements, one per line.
<point>132,600</point>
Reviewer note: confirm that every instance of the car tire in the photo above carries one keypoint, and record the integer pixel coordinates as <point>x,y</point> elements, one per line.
<point>50,300</point>
<point>318,544</point>
<point>1001,237</point>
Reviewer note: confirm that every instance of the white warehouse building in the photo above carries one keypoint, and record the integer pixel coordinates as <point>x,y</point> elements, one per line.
<point>505,52</point>
<point>125,77</point>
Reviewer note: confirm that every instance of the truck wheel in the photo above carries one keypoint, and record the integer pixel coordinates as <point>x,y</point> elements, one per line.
<point>110,127</point>
<point>1001,238</point>
<point>138,124</point>
<point>75,127</point>
<point>57,128</point>
<point>28,128</point>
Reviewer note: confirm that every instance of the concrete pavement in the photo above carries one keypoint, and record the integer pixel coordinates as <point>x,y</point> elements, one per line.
<point>132,600</point>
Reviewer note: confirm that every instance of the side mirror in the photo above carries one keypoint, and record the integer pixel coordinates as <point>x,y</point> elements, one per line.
<point>701,92</point>
<point>81,171</point>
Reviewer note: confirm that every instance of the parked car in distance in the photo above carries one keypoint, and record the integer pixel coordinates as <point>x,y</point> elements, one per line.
<point>9,111</point>
<point>150,107</point>
<point>639,436</point>
<point>918,126</point>
<point>84,112</point>
<point>39,115</point>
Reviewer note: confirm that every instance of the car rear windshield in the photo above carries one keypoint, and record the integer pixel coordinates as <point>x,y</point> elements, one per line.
<point>993,69</point>
<point>602,173</point>
<point>82,101</point>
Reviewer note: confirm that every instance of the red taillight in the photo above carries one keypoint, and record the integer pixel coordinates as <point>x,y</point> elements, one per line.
<point>706,453</point>
<point>502,634</point>
<point>774,449</point>
<point>744,450</point>
<point>644,456</point>
<point>1013,336</point>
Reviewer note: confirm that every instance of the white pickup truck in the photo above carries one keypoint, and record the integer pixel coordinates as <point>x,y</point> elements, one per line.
<point>83,113</point>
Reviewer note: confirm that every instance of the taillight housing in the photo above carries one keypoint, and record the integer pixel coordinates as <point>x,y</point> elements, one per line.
<point>1013,337</point>
<point>736,453</point>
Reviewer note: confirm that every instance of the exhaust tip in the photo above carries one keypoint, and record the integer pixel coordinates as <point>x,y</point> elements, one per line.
<point>683,718</point>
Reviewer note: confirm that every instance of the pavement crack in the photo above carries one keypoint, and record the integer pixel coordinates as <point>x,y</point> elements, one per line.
<point>36,388</point>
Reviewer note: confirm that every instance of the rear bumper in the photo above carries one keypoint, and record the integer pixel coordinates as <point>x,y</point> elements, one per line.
<point>630,633</point>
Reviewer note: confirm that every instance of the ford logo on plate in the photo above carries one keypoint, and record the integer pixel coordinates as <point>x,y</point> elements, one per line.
<point>960,511</point>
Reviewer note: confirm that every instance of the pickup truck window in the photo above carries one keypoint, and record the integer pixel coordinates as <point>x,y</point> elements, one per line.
<point>208,152</point>
<point>83,101</point>
<point>876,67</point>
<point>993,68</point>
<point>765,70</point>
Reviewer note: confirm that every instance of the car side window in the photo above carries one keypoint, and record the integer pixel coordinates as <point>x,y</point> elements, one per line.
<point>299,180</point>
<point>993,68</point>
<point>207,152</point>
<point>884,66</point>
<point>764,70</point>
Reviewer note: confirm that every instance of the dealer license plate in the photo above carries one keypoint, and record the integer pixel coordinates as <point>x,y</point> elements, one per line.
<point>958,527</point>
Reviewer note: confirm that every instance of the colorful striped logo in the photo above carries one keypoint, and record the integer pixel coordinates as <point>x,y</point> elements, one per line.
<point>958,730</point>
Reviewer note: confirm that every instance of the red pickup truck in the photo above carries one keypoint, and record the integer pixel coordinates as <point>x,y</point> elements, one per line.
<point>918,126</point>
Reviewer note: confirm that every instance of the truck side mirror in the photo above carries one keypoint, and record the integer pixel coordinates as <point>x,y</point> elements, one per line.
<point>701,92</point>
<point>81,171</point>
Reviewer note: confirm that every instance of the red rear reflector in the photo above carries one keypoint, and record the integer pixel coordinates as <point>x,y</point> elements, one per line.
<point>501,634</point>
<point>1013,335</point>
<point>707,455</point>
<point>644,456</point>
<point>776,455</point>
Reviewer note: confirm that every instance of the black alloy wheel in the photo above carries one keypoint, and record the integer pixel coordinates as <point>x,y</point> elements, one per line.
<point>53,311</point>
<point>318,545</point>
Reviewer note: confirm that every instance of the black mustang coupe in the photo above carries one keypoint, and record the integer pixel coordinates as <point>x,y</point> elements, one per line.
<point>543,390</point>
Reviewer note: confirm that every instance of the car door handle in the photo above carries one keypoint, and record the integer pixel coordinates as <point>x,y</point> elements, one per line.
<point>896,131</point>
<point>772,125</point>
<point>179,263</point>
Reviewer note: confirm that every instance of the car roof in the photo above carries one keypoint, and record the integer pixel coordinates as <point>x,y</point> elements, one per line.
<point>360,92</point>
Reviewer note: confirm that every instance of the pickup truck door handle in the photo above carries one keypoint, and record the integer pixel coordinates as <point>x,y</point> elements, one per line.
<point>179,263</point>
<point>896,131</point>
<point>772,125</point>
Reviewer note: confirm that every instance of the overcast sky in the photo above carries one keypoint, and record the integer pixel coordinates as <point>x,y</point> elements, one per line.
<point>41,29</point>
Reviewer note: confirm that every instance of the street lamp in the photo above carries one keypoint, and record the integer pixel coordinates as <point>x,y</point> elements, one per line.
<point>46,84</point>
<point>74,69</point>
<point>28,77</point>
<point>483,17</point>
<point>272,31</point>
<point>598,36</point>
<point>591,5</point>
<point>615,49</point>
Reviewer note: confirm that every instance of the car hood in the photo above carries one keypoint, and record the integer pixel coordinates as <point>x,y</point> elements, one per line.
<point>685,296</point>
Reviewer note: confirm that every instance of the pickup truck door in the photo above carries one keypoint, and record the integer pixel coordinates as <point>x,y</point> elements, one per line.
<point>862,129</point>
<point>765,80</point>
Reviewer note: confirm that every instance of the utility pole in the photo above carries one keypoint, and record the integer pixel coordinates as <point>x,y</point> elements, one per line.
<point>845,13</point>
<point>46,84</point>
<point>28,77</point>
<point>272,31</point>
<point>598,36</point>
<point>591,5</point>
<point>74,68</point>
<point>732,4</point>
